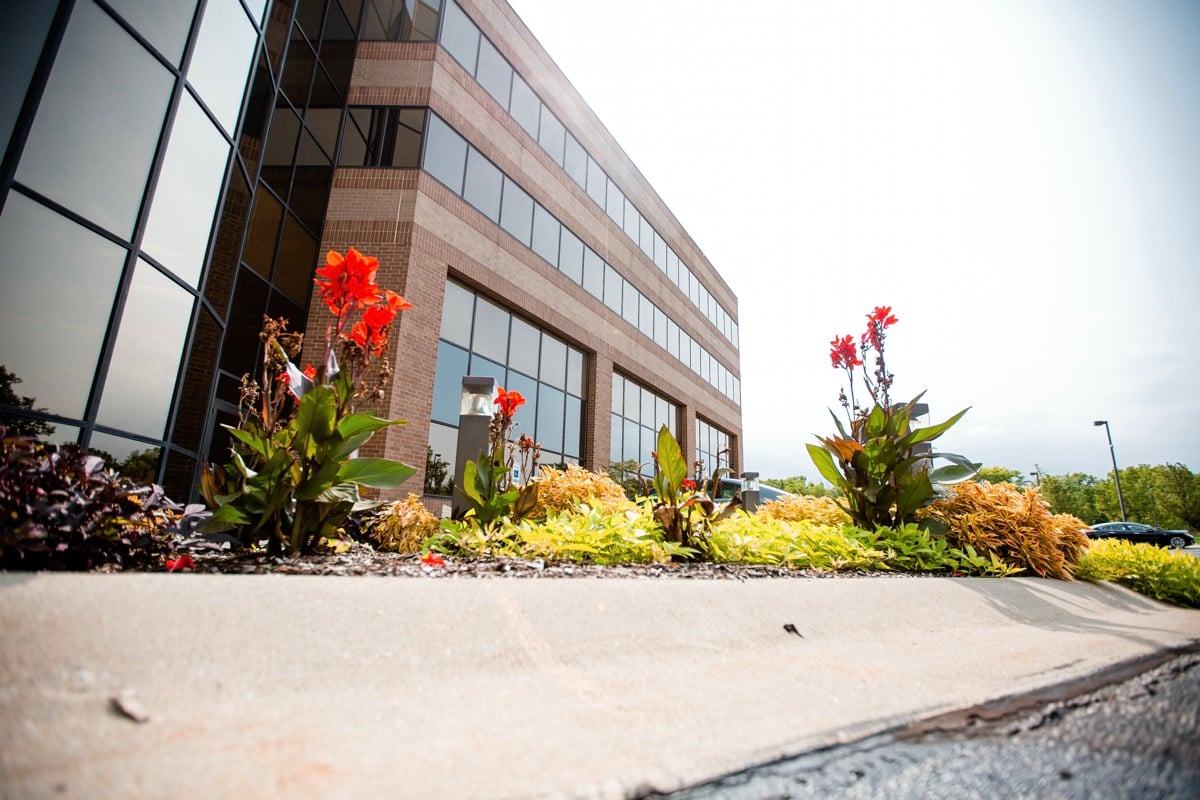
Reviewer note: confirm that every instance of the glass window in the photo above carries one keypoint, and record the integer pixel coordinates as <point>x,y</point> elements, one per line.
<point>672,266</point>
<point>400,20</point>
<point>618,394</point>
<point>447,383</point>
<point>221,59</point>
<point>572,427</point>
<point>457,310</point>
<point>629,307</point>
<point>574,371</point>
<point>142,373</point>
<point>525,107</point>
<point>612,288</point>
<point>526,416</point>
<point>96,130</point>
<point>571,256</point>
<point>660,252</point>
<point>524,347</point>
<point>516,214</point>
<point>615,204</point>
<point>420,25</point>
<point>410,128</point>
<point>633,220</point>
<point>597,182</point>
<point>486,368</point>
<point>545,234</point>
<point>483,185</point>
<point>662,413</point>
<point>616,439</point>
<point>281,142</point>
<point>185,199</point>
<point>166,25</point>
<point>554,362</point>
<point>646,240</point>
<point>550,410</point>
<point>53,270</point>
<point>593,273</point>
<point>646,316</point>
<point>491,331</point>
<point>493,73</point>
<point>660,327</point>
<point>21,39</point>
<point>443,449</point>
<point>552,136</point>
<point>460,37</point>
<point>672,338</point>
<point>445,153</point>
<point>633,401</point>
<point>296,261</point>
<point>575,161</point>
<point>631,446</point>
<point>265,220</point>
<point>354,139</point>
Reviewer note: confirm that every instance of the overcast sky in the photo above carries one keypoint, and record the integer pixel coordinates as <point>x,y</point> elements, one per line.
<point>1018,179</point>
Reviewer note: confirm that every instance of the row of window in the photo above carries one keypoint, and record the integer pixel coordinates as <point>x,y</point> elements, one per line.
<point>712,449</point>
<point>478,56</point>
<point>468,173</point>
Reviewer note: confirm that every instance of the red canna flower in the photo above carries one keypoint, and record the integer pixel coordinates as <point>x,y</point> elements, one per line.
<point>349,281</point>
<point>843,353</point>
<point>432,559</point>
<point>310,372</point>
<point>882,316</point>
<point>395,302</point>
<point>180,564</point>
<point>688,484</point>
<point>509,402</point>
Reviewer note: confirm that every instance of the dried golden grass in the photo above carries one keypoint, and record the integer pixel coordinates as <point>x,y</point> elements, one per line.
<point>403,526</point>
<point>803,508</point>
<point>565,490</point>
<point>1014,524</point>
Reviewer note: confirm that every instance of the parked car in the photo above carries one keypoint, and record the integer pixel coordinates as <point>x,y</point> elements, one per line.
<point>1137,532</point>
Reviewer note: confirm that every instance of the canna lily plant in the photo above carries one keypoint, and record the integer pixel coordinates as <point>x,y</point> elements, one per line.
<point>487,483</point>
<point>876,459</point>
<point>295,475</point>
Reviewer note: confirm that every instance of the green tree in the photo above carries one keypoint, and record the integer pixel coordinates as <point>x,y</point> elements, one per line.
<point>1000,475</point>
<point>23,426</point>
<point>1177,491</point>
<point>1072,494</point>
<point>627,473</point>
<point>798,484</point>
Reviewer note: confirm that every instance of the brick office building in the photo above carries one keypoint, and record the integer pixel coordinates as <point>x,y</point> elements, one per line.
<point>174,171</point>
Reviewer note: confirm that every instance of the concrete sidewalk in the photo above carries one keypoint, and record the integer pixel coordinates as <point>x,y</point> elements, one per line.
<point>357,687</point>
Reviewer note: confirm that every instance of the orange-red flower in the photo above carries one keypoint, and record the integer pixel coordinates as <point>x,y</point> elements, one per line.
<point>882,316</point>
<point>348,282</point>
<point>310,372</point>
<point>432,559</point>
<point>509,402</point>
<point>395,302</point>
<point>843,353</point>
<point>180,564</point>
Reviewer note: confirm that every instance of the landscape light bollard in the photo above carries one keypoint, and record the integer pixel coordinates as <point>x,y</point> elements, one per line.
<point>474,417</point>
<point>751,491</point>
<point>1037,474</point>
<point>1116,473</point>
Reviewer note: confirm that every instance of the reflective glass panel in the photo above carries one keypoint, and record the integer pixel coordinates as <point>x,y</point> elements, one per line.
<point>493,73</point>
<point>574,372</point>
<point>486,368</point>
<point>597,182</point>
<point>483,185</point>
<point>21,38</point>
<point>185,199</point>
<point>571,255</point>
<point>633,401</point>
<point>460,37</point>
<point>165,24</point>
<point>525,107</point>
<point>646,316</point>
<point>554,362</point>
<point>524,347</point>
<point>457,307</point>
<point>615,204</point>
<point>629,308</point>
<point>142,373</point>
<point>660,252</point>
<point>660,327</point>
<point>259,250</point>
<point>631,445</point>
<point>131,458</point>
<point>221,59</point>
<point>354,140</point>
<point>646,240</point>
<point>551,406</point>
<point>612,288</point>
<point>618,394</point>
<point>98,124</point>
<point>443,446</point>
<point>633,220</point>
<point>491,331</point>
<point>672,338</point>
<point>526,416</point>
<point>445,153</point>
<point>447,383</point>
<point>572,425</point>
<point>545,234</point>
<point>53,271</point>
<point>552,136</point>
<point>296,261</point>
<point>616,425</point>
<point>410,128</point>
<point>516,215</point>
<point>575,161</point>
<point>593,273</point>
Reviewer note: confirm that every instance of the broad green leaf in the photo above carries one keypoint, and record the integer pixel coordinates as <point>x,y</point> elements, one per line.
<point>932,432</point>
<point>318,482</point>
<point>471,482</point>
<point>915,494</point>
<point>953,473</point>
<point>250,439</point>
<point>378,473</point>
<point>825,465</point>
<point>876,421</point>
<point>354,424</point>
<point>314,420</point>
<point>670,458</point>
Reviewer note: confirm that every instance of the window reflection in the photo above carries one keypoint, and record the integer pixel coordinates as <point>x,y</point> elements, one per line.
<point>131,458</point>
<point>185,199</point>
<point>551,407</point>
<point>21,38</point>
<point>554,363</point>
<point>98,124</point>
<point>545,235</point>
<point>445,153</point>
<point>296,261</point>
<point>571,256</point>
<point>221,59</point>
<point>493,73</point>
<point>516,216</point>
<point>460,37</point>
<point>447,383</point>
<point>483,185</point>
<point>166,25</point>
<point>524,347</point>
<point>552,136</point>
<point>141,376</point>
<point>264,231</point>
<point>491,331</point>
<point>71,288</point>
<point>457,310</point>
<point>525,106</point>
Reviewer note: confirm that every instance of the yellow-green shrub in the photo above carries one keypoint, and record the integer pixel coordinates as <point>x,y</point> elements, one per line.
<point>1156,572</point>
<point>745,539</point>
<point>803,508</point>
<point>403,526</point>
<point>566,490</point>
<point>1014,524</point>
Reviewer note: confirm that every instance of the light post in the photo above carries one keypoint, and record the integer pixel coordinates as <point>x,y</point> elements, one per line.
<point>474,417</point>
<point>1037,474</point>
<point>1116,473</point>
<point>750,491</point>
